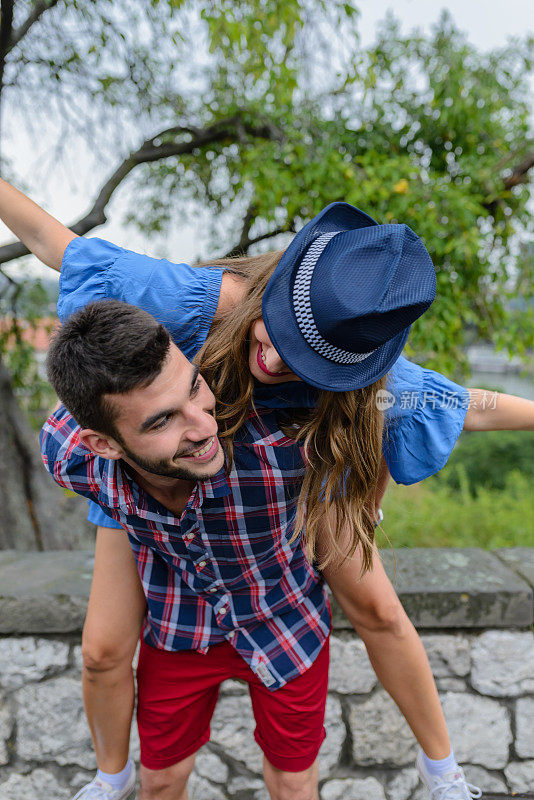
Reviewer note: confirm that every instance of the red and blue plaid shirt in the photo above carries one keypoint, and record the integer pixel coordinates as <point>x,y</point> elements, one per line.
<point>226,569</point>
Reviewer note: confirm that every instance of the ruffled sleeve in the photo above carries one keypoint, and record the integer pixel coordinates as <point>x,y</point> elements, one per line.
<point>424,418</point>
<point>181,297</point>
<point>97,516</point>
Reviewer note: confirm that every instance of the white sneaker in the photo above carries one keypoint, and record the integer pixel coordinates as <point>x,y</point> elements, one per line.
<point>100,790</point>
<point>451,786</point>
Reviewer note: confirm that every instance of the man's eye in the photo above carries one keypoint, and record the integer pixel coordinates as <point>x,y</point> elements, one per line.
<point>160,424</point>
<point>196,387</point>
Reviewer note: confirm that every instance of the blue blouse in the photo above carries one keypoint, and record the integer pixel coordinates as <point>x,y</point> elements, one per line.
<point>424,411</point>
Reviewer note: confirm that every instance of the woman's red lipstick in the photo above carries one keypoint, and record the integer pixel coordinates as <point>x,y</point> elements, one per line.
<point>264,368</point>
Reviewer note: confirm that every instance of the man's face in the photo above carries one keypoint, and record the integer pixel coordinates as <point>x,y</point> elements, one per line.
<point>168,428</point>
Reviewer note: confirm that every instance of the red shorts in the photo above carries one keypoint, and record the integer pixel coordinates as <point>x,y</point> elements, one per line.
<point>177,693</point>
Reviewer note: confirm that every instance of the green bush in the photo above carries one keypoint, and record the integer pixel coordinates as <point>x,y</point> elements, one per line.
<point>487,457</point>
<point>432,514</point>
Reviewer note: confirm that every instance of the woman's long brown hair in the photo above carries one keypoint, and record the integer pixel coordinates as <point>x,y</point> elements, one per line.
<point>342,435</point>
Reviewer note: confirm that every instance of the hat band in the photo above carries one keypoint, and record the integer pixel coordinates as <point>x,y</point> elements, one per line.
<point>303,310</point>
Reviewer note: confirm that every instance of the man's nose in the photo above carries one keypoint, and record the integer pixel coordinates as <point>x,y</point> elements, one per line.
<point>201,423</point>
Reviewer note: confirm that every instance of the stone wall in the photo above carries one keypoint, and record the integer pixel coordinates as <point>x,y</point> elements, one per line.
<point>474,611</point>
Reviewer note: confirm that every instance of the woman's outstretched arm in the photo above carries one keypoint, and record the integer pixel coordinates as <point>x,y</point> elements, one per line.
<point>43,235</point>
<point>495,411</point>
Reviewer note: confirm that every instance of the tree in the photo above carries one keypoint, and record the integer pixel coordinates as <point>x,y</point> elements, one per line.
<point>267,110</point>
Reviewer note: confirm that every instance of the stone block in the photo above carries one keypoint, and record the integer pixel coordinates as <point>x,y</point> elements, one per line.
<point>350,669</point>
<point>6,729</point>
<point>210,766</point>
<point>77,659</point>
<point>453,587</point>
<point>503,663</point>
<point>44,592</point>
<point>380,733</point>
<point>335,736</point>
<point>28,659</point>
<point>487,781</point>
<point>403,784</point>
<point>201,789</point>
<point>262,794</point>
<point>38,784</point>
<point>353,789</point>
<point>242,785</point>
<point>451,685</point>
<point>524,727</point>
<point>479,729</point>
<point>520,776</point>
<point>232,728</point>
<point>51,724</point>
<point>234,687</point>
<point>449,656</point>
<point>520,559</point>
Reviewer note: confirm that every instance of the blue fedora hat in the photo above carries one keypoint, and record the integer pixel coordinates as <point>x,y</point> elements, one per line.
<point>339,306</point>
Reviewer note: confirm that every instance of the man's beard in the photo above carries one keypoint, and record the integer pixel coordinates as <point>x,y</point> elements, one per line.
<point>163,468</point>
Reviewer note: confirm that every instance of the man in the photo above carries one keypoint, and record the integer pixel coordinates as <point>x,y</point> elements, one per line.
<point>240,600</point>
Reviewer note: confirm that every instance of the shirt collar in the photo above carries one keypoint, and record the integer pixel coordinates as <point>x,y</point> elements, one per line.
<point>116,488</point>
<point>217,486</point>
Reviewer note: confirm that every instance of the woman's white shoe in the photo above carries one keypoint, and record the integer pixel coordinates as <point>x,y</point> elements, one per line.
<point>100,790</point>
<point>451,786</point>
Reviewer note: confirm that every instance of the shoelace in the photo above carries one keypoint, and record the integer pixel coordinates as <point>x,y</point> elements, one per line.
<point>474,791</point>
<point>93,791</point>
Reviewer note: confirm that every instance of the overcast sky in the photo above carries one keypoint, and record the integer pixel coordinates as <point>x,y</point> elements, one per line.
<point>67,191</point>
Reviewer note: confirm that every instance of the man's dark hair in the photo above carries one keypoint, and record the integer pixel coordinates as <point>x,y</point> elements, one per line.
<point>106,348</point>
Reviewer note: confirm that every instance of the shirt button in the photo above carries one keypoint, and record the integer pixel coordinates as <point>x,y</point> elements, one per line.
<point>231,634</point>
<point>201,564</point>
<point>222,610</point>
<point>213,589</point>
<point>189,536</point>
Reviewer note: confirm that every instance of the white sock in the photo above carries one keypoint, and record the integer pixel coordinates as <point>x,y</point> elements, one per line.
<point>440,766</point>
<point>117,780</point>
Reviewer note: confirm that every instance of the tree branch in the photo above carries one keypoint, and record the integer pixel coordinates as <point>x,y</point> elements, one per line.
<point>243,247</point>
<point>149,152</point>
<point>248,221</point>
<point>520,172</point>
<point>38,10</point>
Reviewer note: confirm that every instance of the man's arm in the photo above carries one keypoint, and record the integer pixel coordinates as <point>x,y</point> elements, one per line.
<point>43,235</point>
<point>495,411</point>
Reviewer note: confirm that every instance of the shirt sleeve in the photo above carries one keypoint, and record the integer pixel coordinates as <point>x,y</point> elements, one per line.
<point>98,516</point>
<point>71,465</point>
<point>181,297</point>
<point>423,422</point>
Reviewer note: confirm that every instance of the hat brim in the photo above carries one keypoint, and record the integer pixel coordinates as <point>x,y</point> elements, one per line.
<point>282,326</point>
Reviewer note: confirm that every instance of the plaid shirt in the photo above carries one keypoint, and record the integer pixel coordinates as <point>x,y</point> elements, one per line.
<point>225,570</point>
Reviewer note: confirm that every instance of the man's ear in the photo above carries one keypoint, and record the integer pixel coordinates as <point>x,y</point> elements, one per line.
<point>100,444</point>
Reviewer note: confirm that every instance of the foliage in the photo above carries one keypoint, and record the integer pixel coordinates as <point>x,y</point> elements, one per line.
<point>21,309</point>
<point>431,514</point>
<point>422,129</point>
<point>483,459</point>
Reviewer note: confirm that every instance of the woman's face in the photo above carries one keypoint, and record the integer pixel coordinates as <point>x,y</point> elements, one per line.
<point>264,362</point>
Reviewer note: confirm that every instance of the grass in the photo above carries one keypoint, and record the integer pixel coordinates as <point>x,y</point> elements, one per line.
<point>432,514</point>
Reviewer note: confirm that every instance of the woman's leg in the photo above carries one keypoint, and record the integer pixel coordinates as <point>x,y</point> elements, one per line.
<point>394,648</point>
<point>110,635</point>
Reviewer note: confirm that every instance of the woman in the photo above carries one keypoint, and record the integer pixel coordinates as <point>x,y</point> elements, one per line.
<point>94,269</point>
